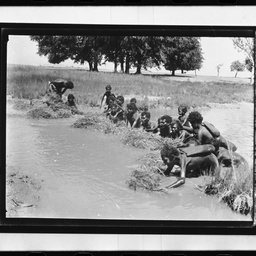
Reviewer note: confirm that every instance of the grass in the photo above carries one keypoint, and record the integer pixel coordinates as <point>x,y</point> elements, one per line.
<point>148,174</point>
<point>127,136</point>
<point>30,82</point>
<point>233,185</point>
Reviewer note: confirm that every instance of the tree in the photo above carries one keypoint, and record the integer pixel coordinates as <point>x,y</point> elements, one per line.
<point>246,45</point>
<point>77,48</point>
<point>218,68</point>
<point>237,66</point>
<point>184,53</point>
<point>113,50</point>
<point>144,52</point>
<point>248,64</point>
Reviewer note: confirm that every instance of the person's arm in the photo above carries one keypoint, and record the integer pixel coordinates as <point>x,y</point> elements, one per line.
<point>180,181</point>
<point>52,87</point>
<point>136,120</point>
<point>188,129</point>
<point>63,90</point>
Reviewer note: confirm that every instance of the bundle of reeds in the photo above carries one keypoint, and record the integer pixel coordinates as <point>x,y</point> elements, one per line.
<point>141,139</point>
<point>144,178</point>
<point>148,174</point>
<point>131,137</point>
<point>48,113</point>
<point>233,185</point>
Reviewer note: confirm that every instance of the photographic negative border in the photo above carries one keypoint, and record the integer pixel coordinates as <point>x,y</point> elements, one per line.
<point>42,225</point>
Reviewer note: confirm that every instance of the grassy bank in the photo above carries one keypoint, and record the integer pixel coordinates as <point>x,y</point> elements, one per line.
<point>30,82</point>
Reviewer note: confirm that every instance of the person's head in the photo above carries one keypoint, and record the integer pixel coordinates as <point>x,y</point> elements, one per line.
<point>195,118</point>
<point>120,100</point>
<point>115,108</point>
<point>169,155</point>
<point>108,87</point>
<point>69,85</point>
<point>164,121</point>
<point>131,108</point>
<point>175,128</point>
<point>182,109</point>
<point>145,117</point>
<point>133,100</point>
<point>112,100</point>
<point>71,98</point>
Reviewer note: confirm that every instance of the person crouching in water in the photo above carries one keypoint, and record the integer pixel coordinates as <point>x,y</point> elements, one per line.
<point>146,124</point>
<point>132,114</point>
<point>116,112</point>
<point>183,115</point>
<point>112,100</point>
<point>164,126</point>
<point>205,132</point>
<point>71,103</point>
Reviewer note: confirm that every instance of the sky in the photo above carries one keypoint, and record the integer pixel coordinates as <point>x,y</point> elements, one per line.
<point>21,50</point>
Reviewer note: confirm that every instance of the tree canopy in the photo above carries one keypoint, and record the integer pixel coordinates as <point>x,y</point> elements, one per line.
<point>237,66</point>
<point>246,45</point>
<point>173,53</point>
<point>184,53</point>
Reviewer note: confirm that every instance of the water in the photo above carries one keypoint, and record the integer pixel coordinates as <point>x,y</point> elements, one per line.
<point>84,171</point>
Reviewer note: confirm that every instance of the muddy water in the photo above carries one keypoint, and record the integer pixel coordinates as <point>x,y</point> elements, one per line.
<point>84,173</point>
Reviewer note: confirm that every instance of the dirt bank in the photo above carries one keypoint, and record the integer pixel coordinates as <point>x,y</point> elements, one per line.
<point>23,192</point>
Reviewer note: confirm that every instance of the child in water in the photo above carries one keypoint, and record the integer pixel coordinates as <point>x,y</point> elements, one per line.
<point>183,115</point>
<point>146,124</point>
<point>132,113</point>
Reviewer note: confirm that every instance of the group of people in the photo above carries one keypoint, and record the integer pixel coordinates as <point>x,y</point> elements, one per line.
<point>210,148</point>
<point>139,117</point>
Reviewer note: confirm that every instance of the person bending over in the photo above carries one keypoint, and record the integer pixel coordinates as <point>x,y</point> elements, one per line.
<point>59,86</point>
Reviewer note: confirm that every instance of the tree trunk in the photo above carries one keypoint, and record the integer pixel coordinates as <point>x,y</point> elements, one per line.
<point>195,73</point>
<point>236,73</point>
<point>138,71</point>
<point>173,72</point>
<point>122,66</point>
<point>115,66</point>
<point>90,66</point>
<point>95,67</point>
<point>127,65</point>
<point>182,71</point>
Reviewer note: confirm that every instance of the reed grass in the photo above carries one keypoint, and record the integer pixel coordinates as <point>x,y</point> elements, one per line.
<point>233,185</point>
<point>128,136</point>
<point>147,175</point>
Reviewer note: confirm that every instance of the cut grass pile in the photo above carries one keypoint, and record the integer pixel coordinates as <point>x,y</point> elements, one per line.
<point>127,136</point>
<point>233,185</point>
<point>148,174</point>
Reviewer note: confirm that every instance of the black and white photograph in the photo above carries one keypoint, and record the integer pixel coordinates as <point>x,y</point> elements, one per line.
<point>129,127</point>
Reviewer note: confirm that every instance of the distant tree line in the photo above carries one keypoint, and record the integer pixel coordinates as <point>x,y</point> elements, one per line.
<point>174,53</point>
